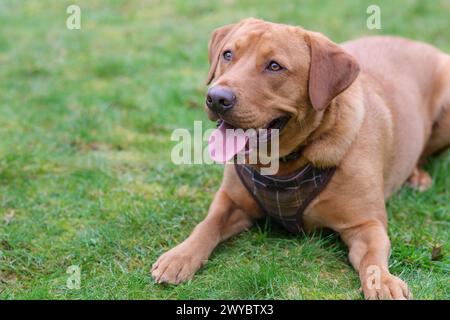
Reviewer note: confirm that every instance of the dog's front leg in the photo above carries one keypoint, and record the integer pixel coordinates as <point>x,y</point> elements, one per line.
<point>224,220</point>
<point>369,253</point>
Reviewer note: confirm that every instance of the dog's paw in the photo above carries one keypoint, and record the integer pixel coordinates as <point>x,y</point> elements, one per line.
<point>389,288</point>
<point>176,266</point>
<point>420,180</point>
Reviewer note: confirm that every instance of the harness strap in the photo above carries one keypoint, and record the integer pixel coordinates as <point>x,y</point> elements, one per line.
<point>300,189</point>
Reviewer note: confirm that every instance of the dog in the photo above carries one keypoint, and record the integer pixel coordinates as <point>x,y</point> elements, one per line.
<point>374,109</point>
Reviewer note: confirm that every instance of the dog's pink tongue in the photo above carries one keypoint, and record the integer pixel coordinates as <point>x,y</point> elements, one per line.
<point>224,144</point>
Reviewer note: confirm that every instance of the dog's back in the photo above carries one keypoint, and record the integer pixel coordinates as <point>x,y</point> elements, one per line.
<point>414,80</point>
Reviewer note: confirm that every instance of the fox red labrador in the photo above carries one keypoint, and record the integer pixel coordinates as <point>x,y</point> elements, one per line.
<point>369,111</point>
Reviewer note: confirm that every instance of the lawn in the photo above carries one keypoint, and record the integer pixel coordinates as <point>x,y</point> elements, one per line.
<point>85,172</point>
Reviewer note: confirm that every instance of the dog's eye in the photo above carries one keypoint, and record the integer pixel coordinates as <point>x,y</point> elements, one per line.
<point>274,66</point>
<point>227,55</point>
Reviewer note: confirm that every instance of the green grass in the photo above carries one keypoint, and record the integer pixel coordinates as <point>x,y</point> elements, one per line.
<point>85,171</point>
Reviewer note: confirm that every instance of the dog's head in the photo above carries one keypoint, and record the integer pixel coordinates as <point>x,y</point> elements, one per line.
<point>267,75</point>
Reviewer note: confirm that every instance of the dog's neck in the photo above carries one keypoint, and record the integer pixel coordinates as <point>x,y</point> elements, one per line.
<point>330,140</point>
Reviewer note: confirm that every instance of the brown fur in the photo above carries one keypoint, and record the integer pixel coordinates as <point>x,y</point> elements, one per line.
<point>375,127</point>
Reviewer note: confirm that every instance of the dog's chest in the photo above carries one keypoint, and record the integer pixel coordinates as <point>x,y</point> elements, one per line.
<point>285,198</point>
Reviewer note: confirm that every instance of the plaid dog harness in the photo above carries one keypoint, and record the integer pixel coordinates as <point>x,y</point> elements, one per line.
<point>285,198</point>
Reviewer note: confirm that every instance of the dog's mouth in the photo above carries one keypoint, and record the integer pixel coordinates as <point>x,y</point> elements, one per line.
<point>276,124</point>
<point>228,140</point>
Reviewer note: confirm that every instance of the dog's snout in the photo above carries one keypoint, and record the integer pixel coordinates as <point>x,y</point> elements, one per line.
<point>220,99</point>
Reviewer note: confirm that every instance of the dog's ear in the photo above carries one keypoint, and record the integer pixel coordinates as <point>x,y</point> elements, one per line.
<point>332,70</point>
<point>215,46</point>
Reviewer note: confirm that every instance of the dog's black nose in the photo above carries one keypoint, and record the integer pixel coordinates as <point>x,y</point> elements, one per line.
<point>220,99</point>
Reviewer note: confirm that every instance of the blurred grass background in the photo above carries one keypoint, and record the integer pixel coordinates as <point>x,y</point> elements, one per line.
<point>85,171</point>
